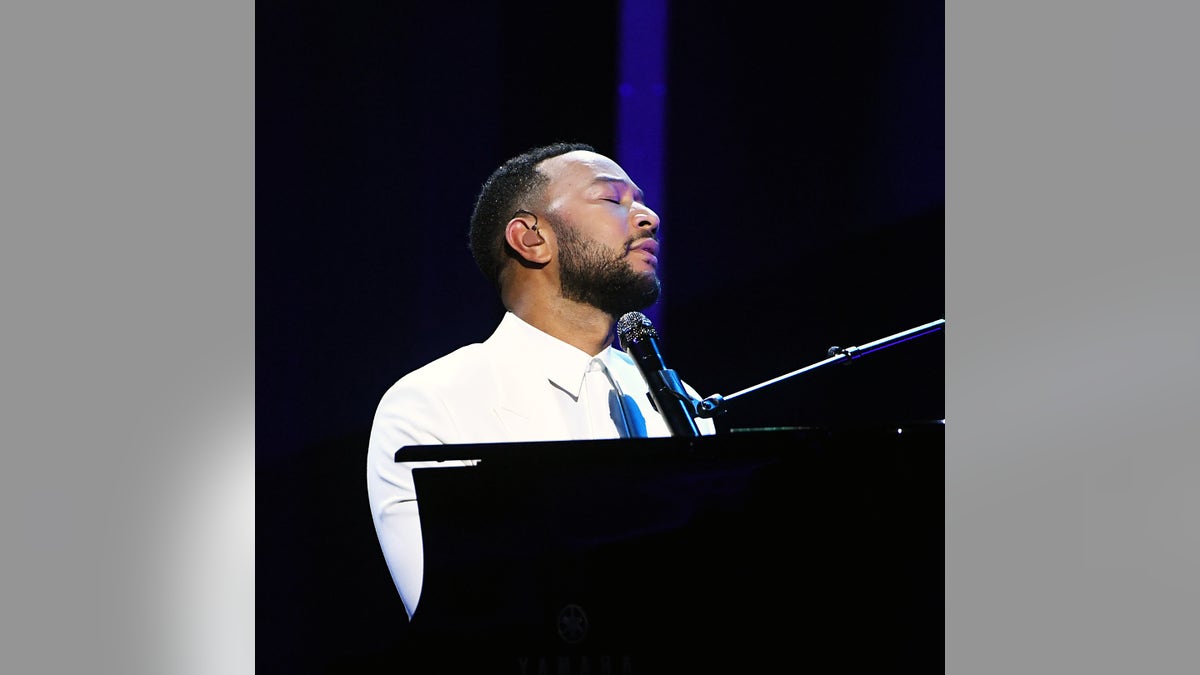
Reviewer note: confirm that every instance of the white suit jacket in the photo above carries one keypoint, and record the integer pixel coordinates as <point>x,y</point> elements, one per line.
<point>509,388</point>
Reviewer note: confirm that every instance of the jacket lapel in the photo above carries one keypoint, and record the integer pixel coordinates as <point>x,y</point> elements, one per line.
<point>525,405</point>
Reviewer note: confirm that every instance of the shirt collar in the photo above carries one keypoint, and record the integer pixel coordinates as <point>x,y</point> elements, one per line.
<point>564,364</point>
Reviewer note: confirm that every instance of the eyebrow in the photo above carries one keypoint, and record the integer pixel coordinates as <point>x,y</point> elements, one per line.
<point>637,191</point>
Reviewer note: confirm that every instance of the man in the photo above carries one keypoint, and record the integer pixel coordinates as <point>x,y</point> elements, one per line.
<point>566,237</point>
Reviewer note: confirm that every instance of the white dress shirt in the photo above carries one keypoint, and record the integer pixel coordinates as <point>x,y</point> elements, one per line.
<point>519,385</point>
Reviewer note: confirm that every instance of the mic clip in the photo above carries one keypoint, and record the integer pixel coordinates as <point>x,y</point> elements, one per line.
<point>711,407</point>
<point>667,383</point>
<point>849,353</point>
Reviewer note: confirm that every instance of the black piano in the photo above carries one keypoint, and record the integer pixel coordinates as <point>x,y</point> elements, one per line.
<point>766,550</point>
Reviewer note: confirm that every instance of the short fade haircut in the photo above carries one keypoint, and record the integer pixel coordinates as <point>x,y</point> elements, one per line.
<point>509,188</point>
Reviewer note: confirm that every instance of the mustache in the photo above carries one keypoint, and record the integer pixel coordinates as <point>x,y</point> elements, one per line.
<point>630,242</point>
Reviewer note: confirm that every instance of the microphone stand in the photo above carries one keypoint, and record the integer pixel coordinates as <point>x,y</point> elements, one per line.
<point>715,404</point>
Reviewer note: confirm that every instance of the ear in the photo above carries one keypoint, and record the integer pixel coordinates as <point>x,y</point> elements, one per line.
<point>523,236</point>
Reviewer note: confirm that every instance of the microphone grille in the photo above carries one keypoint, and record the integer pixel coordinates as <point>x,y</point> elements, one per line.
<point>633,328</point>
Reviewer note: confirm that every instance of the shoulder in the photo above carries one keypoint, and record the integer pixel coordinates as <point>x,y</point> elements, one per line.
<point>446,374</point>
<point>436,402</point>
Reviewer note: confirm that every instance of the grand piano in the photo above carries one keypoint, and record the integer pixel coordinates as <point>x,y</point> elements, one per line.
<point>759,550</point>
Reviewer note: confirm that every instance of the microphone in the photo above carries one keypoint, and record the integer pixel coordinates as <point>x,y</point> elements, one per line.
<point>639,339</point>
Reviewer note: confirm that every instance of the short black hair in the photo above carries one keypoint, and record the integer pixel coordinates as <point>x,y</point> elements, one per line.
<point>509,188</point>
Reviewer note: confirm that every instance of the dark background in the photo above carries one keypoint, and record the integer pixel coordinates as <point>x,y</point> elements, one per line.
<point>803,208</point>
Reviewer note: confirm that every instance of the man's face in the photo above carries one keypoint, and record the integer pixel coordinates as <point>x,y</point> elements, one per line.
<point>607,250</point>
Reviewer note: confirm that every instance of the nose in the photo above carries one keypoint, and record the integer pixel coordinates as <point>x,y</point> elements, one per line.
<point>645,218</point>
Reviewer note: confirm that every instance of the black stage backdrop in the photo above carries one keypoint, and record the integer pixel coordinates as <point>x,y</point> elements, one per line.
<point>803,208</point>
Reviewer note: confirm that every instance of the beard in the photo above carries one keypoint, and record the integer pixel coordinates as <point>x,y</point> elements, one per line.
<point>600,277</point>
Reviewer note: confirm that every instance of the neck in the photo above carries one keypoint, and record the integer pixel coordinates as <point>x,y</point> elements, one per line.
<point>581,326</point>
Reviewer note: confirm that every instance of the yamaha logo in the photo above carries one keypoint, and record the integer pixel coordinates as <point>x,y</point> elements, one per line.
<point>572,624</point>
